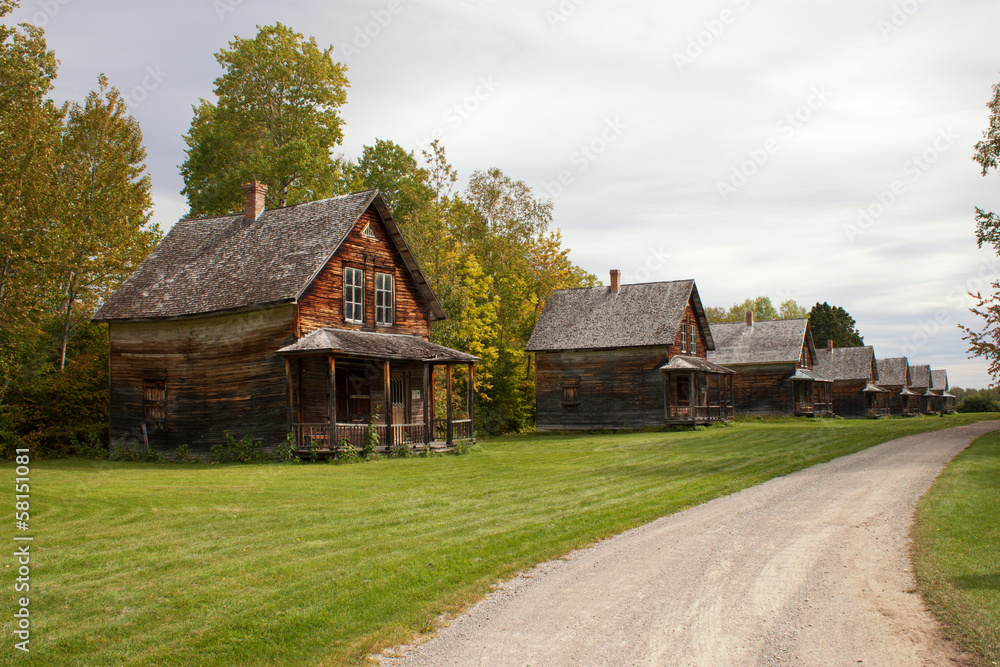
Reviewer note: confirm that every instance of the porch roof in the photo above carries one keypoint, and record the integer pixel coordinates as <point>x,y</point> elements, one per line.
<point>872,389</point>
<point>374,345</point>
<point>806,374</point>
<point>696,364</point>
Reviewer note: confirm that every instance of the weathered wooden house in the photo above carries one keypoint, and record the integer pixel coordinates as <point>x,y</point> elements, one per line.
<point>941,401</point>
<point>894,377</point>
<point>773,361</point>
<point>854,371</point>
<point>307,319</point>
<point>627,356</point>
<point>920,384</point>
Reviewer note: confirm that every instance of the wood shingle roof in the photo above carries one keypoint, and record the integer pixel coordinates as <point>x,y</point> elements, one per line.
<point>894,371</point>
<point>847,363</point>
<point>645,314</point>
<point>376,346</point>
<point>939,380</point>
<point>767,341</point>
<point>920,376</point>
<point>231,263</point>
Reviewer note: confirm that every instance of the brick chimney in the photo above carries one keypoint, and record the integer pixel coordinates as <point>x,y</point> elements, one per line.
<point>749,318</point>
<point>616,279</point>
<point>254,192</point>
<point>829,343</point>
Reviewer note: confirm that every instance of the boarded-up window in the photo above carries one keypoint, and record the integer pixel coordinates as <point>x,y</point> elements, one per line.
<point>354,280</point>
<point>154,399</point>
<point>571,392</point>
<point>383,298</point>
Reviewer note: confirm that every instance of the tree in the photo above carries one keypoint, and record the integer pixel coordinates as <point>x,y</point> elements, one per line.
<point>30,126</point>
<point>986,343</point>
<point>103,207</point>
<point>834,323</point>
<point>277,121</point>
<point>395,172</point>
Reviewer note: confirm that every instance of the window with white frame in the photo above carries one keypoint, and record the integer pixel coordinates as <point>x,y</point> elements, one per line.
<point>693,340</point>
<point>354,280</point>
<point>684,340</point>
<point>383,298</point>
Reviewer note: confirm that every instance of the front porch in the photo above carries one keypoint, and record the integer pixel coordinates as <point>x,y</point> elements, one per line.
<point>876,401</point>
<point>697,391</point>
<point>812,394</point>
<point>349,388</point>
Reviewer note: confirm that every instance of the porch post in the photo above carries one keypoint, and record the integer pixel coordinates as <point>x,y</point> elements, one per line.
<point>331,408</point>
<point>288,377</point>
<point>428,422</point>
<point>388,404</point>
<point>471,400</point>
<point>693,397</point>
<point>450,438</point>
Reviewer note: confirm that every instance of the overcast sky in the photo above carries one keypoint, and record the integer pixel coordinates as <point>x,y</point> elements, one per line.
<point>818,151</point>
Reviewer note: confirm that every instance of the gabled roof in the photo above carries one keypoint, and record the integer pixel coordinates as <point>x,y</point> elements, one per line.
<point>229,263</point>
<point>894,371</point>
<point>765,342</point>
<point>684,363</point>
<point>847,363</point>
<point>939,380</point>
<point>920,376</point>
<point>376,346</point>
<point>594,318</point>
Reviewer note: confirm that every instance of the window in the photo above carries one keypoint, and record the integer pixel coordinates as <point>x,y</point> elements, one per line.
<point>383,298</point>
<point>684,340</point>
<point>154,399</point>
<point>571,392</point>
<point>693,340</point>
<point>354,280</point>
<point>368,232</point>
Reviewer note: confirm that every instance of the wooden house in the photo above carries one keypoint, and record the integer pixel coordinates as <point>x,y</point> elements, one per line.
<point>309,319</point>
<point>941,401</point>
<point>894,377</point>
<point>627,356</point>
<point>773,361</point>
<point>920,384</point>
<point>854,371</point>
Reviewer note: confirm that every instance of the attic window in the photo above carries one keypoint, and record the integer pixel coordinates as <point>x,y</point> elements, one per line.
<point>693,339</point>
<point>369,233</point>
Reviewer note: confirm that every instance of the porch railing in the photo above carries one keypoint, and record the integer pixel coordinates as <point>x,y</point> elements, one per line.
<point>877,412</point>
<point>802,408</point>
<point>686,413</point>
<point>461,429</point>
<point>317,435</point>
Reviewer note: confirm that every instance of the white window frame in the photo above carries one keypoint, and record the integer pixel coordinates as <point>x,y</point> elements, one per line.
<point>354,295</point>
<point>383,310</point>
<point>684,340</point>
<point>693,338</point>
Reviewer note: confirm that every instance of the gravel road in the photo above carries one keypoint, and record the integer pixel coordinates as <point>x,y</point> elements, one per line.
<point>808,569</point>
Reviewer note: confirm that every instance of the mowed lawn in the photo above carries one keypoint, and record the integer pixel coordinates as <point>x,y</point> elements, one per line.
<point>136,564</point>
<point>957,548</point>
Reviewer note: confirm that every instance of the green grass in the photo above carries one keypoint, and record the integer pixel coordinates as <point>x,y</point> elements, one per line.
<point>137,564</point>
<point>957,549</point>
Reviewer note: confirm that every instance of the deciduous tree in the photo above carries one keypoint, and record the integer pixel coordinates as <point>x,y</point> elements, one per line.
<point>276,120</point>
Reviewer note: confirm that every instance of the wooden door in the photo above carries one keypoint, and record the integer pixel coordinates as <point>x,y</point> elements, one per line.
<point>398,390</point>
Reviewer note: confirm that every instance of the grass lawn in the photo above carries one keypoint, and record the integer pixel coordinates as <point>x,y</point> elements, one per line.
<point>957,548</point>
<point>136,564</point>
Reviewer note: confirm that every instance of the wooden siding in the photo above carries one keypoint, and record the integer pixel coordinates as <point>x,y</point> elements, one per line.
<point>221,373</point>
<point>686,321</point>
<point>763,389</point>
<point>618,388</point>
<point>849,398</point>
<point>322,304</point>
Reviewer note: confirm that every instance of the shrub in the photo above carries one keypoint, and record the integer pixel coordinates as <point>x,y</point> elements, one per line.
<point>369,448</point>
<point>346,453</point>
<point>183,455</point>
<point>285,452</point>
<point>124,450</point>
<point>236,451</point>
<point>978,403</point>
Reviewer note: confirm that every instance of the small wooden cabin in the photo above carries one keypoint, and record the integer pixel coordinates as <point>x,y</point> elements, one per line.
<point>308,319</point>
<point>773,361</point>
<point>627,356</point>
<point>894,377</point>
<point>920,378</point>
<point>854,370</point>
<point>942,401</point>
